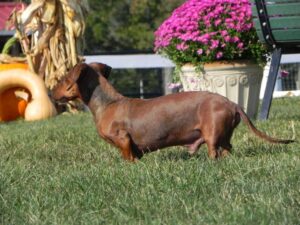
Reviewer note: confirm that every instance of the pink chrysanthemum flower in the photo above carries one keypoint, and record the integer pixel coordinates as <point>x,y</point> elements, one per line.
<point>208,30</point>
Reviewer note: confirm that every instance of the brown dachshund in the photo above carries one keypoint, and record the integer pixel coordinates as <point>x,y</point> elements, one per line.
<point>137,126</point>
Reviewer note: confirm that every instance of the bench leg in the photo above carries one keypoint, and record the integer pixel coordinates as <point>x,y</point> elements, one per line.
<point>266,103</point>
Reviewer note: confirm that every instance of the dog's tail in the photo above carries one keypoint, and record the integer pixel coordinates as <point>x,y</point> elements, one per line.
<point>257,132</point>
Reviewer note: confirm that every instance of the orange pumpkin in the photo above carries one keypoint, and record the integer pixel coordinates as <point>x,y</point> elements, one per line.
<point>21,107</point>
<point>39,104</point>
<point>11,105</point>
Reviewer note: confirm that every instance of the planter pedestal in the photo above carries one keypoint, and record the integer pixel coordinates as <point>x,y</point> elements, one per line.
<point>239,81</point>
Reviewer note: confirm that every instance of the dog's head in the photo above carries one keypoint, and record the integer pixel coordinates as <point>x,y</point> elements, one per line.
<point>101,68</point>
<point>80,82</point>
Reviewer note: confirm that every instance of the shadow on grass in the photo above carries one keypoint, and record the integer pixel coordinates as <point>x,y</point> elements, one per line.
<point>181,154</point>
<point>174,155</point>
<point>254,150</point>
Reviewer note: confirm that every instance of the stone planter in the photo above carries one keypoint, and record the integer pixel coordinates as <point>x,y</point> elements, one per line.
<point>239,81</point>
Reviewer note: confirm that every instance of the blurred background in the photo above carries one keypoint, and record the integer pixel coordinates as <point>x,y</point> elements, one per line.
<point>116,29</point>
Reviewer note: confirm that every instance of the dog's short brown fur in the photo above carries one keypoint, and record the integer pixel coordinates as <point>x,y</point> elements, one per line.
<point>137,126</point>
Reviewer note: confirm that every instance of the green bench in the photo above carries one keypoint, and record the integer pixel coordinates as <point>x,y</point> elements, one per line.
<point>277,23</point>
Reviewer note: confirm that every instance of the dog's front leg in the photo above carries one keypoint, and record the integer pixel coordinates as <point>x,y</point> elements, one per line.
<point>124,143</point>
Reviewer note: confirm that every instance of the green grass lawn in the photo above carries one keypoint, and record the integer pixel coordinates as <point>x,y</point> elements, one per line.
<point>60,172</point>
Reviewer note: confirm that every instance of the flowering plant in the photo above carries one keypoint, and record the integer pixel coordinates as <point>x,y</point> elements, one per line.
<point>202,31</point>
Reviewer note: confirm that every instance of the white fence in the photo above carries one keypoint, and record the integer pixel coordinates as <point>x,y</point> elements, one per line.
<point>286,59</point>
<point>137,61</point>
<point>147,61</point>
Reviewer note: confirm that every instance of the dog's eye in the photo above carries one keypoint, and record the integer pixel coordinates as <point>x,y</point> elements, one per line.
<point>68,88</point>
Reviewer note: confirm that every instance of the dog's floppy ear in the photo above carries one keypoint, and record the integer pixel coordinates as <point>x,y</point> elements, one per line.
<point>101,68</point>
<point>87,80</point>
<point>76,71</point>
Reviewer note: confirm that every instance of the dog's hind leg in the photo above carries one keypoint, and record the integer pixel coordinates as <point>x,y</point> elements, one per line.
<point>212,150</point>
<point>225,145</point>
<point>225,148</point>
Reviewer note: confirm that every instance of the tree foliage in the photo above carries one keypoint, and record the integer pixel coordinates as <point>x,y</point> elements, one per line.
<point>125,25</point>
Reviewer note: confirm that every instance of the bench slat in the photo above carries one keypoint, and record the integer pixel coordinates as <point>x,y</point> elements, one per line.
<point>277,1</point>
<point>281,22</point>
<point>280,9</point>
<point>280,1</point>
<point>284,36</point>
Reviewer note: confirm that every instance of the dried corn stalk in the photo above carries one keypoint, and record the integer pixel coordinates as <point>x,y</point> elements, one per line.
<point>51,35</point>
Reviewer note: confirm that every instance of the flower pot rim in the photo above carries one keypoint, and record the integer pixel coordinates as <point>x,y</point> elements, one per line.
<point>224,63</point>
